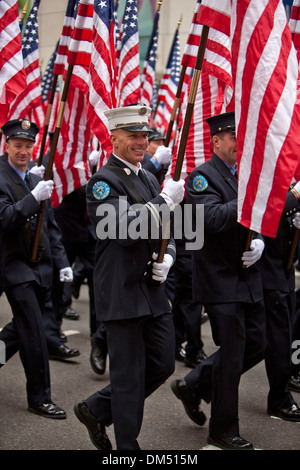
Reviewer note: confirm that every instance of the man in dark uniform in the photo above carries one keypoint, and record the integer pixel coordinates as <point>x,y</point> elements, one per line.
<point>231,294</point>
<point>280,299</point>
<point>25,281</point>
<point>137,316</point>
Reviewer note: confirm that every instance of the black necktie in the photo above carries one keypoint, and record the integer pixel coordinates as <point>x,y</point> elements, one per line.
<point>27,179</point>
<point>142,177</point>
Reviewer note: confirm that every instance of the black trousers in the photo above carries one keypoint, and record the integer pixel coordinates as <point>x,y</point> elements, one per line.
<point>141,356</point>
<point>280,311</point>
<point>239,331</point>
<point>25,334</point>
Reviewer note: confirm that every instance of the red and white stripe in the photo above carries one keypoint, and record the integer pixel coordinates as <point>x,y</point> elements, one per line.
<point>61,60</point>
<point>215,14</point>
<point>12,73</point>
<point>265,73</point>
<point>80,47</point>
<point>71,169</point>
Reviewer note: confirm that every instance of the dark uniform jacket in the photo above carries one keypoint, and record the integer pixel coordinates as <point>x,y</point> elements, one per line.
<point>121,262</point>
<point>218,273</point>
<point>18,217</point>
<point>276,254</point>
<point>72,219</point>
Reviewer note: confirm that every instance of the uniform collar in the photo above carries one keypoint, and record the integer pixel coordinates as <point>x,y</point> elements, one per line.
<point>133,168</point>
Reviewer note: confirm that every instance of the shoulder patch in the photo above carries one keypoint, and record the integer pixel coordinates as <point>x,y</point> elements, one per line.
<point>200,183</point>
<point>100,190</point>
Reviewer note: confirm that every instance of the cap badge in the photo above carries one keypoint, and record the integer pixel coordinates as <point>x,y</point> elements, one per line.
<point>143,111</point>
<point>100,190</point>
<point>25,125</point>
<point>200,183</point>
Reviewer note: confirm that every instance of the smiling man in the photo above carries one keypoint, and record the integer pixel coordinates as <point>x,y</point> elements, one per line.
<point>136,314</point>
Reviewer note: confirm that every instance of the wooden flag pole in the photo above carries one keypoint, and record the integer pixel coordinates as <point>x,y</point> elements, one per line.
<point>47,120</point>
<point>48,172</point>
<point>185,129</point>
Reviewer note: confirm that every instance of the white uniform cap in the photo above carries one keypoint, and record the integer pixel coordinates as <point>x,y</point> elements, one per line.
<point>132,118</point>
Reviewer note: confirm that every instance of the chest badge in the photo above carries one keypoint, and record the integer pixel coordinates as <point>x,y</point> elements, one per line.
<point>100,190</point>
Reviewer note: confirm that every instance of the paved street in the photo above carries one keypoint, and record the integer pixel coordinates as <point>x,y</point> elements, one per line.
<point>165,426</point>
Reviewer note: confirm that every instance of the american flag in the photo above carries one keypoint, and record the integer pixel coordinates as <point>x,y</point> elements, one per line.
<point>265,73</point>
<point>148,75</point>
<point>61,65</point>
<point>12,73</point>
<point>214,93</point>
<point>30,97</point>
<point>102,74</point>
<point>168,86</point>
<point>129,82</point>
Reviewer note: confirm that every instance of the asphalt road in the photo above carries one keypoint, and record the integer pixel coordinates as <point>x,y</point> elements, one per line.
<point>165,426</point>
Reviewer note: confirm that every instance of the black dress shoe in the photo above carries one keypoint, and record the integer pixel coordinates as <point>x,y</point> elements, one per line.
<point>193,361</point>
<point>294,383</point>
<point>62,353</point>
<point>48,410</point>
<point>71,314</point>
<point>95,428</point>
<point>289,414</point>
<point>98,358</point>
<point>190,401</point>
<point>230,443</point>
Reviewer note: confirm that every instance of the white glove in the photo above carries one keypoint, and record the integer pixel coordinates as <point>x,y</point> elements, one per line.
<point>173,192</point>
<point>43,190</point>
<point>66,275</point>
<point>163,155</point>
<point>160,270</point>
<point>94,158</point>
<point>38,170</point>
<point>296,220</point>
<point>256,248</point>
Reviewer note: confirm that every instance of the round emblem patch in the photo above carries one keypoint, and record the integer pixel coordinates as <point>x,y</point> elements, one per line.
<point>200,183</point>
<point>100,190</point>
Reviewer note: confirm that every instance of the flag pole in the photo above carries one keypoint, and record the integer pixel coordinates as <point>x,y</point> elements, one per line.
<point>293,249</point>
<point>48,172</point>
<point>185,129</point>
<point>47,120</point>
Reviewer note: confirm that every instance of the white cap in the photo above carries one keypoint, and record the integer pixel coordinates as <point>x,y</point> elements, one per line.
<point>132,118</point>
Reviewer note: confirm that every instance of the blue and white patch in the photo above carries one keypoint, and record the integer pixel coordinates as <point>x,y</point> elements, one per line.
<point>101,190</point>
<point>200,183</point>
